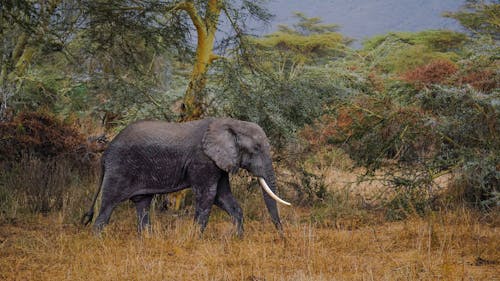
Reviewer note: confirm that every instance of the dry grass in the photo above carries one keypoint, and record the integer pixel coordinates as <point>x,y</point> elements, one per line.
<point>445,246</point>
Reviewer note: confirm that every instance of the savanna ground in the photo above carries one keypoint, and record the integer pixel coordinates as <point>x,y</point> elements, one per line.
<point>447,244</point>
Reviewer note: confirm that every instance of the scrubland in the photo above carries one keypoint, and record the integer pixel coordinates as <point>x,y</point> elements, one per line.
<point>389,153</point>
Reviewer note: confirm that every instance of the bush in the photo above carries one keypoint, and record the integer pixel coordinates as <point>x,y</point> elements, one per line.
<point>340,209</point>
<point>485,80</point>
<point>414,193</point>
<point>375,129</point>
<point>436,72</point>
<point>477,181</point>
<point>39,134</point>
<point>435,40</point>
<point>310,188</point>
<point>394,54</point>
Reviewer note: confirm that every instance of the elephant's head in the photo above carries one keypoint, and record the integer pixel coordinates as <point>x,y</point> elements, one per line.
<point>234,144</point>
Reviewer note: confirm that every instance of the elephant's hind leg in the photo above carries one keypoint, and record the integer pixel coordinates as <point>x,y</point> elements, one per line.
<point>104,215</point>
<point>226,201</point>
<point>109,200</point>
<point>142,205</point>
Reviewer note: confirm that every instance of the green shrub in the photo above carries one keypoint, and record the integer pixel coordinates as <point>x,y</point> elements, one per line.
<point>396,53</point>
<point>280,106</point>
<point>477,181</point>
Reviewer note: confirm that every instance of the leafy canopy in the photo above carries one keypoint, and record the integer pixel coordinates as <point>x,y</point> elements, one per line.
<point>309,37</point>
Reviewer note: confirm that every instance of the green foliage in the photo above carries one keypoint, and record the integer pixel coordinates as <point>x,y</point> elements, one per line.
<point>308,45</point>
<point>27,32</point>
<point>478,180</point>
<point>439,130</point>
<point>408,134</point>
<point>434,40</point>
<point>115,51</point>
<point>288,51</point>
<point>480,17</point>
<point>280,106</point>
<point>396,53</point>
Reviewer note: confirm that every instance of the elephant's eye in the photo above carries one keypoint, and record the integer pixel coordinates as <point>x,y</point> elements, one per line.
<point>256,147</point>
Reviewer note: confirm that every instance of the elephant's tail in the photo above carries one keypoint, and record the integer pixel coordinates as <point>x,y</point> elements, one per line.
<point>88,216</point>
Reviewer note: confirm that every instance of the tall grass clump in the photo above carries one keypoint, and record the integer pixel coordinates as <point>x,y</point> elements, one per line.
<point>39,186</point>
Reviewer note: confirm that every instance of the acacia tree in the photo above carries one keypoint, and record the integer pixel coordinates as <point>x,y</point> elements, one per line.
<point>307,41</point>
<point>124,53</point>
<point>480,17</point>
<point>204,15</point>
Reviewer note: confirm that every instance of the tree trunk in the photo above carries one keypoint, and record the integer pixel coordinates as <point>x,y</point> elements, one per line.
<point>193,104</point>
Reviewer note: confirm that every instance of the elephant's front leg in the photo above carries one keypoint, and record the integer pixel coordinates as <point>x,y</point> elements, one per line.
<point>205,197</point>
<point>226,201</point>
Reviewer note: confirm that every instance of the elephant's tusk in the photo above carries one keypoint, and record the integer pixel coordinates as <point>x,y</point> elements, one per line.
<point>271,193</point>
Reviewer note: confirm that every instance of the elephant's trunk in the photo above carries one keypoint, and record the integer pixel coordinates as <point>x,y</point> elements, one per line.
<point>268,184</point>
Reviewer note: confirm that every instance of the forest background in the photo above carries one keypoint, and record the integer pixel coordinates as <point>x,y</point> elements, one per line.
<point>389,152</point>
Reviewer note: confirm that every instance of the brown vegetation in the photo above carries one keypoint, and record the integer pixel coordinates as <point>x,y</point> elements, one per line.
<point>449,246</point>
<point>436,72</point>
<point>482,80</point>
<point>38,133</point>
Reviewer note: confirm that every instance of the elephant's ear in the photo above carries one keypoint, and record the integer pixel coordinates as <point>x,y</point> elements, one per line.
<point>219,143</point>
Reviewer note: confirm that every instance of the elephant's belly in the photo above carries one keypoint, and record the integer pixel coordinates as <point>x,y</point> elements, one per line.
<point>158,182</point>
<point>150,170</point>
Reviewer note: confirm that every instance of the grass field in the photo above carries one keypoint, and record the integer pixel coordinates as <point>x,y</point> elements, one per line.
<point>447,245</point>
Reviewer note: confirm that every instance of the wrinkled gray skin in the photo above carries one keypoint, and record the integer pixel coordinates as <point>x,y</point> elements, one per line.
<point>154,157</point>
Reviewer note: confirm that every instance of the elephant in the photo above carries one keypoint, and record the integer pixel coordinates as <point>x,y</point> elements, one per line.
<point>158,157</point>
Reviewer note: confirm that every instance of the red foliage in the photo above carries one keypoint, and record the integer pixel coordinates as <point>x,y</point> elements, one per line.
<point>435,72</point>
<point>482,80</point>
<point>329,129</point>
<point>39,133</point>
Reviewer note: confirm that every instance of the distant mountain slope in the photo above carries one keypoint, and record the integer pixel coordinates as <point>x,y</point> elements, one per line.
<point>364,18</point>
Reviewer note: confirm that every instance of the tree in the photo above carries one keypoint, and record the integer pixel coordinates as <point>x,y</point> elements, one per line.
<point>307,41</point>
<point>204,15</point>
<point>124,55</point>
<point>206,27</point>
<point>92,56</point>
<point>479,17</point>
<point>307,26</point>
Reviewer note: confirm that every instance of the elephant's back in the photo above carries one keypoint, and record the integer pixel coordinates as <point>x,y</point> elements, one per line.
<point>147,132</point>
